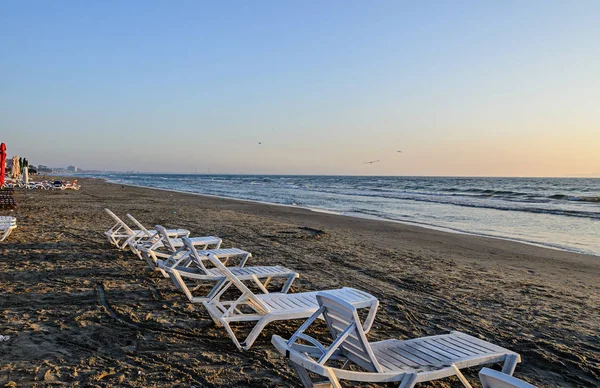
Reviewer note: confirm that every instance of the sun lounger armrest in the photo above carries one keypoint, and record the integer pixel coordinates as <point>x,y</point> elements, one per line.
<point>297,356</point>
<point>370,319</point>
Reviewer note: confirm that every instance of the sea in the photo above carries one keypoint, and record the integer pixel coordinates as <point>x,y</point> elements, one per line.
<point>560,213</point>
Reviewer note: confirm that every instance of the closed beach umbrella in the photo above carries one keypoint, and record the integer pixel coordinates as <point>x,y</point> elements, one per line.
<point>26,175</point>
<point>2,162</point>
<point>15,167</point>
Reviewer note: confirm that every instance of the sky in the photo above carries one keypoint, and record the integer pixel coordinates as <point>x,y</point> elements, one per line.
<point>462,88</point>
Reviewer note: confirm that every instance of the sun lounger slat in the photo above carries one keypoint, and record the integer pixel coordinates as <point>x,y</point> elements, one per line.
<point>445,347</point>
<point>459,349</point>
<point>470,349</point>
<point>417,356</point>
<point>394,361</point>
<point>400,355</point>
<point>471,345</point>
<point>297,303</point>
<point>476,341</point>
<point>397,360</point>
<point>433,352</point>
<point>386,363</point>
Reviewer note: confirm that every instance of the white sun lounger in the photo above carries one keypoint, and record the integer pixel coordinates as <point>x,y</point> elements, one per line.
<point>407,362</point>
<point>150,236</point>
<point>266,308</point>
<point>495,379</point>
<point>166,246</point>
<point>120,232</point>
<point>7,224</point>
<point>192,266</point>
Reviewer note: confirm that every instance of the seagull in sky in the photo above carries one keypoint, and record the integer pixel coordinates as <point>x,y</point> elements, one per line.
<point>371,162</point>
<point>399,151</point>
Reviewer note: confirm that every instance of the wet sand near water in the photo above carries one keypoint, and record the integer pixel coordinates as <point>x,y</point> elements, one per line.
<point>81,313</point>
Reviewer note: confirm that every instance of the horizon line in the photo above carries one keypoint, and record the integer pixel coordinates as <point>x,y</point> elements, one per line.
<point>580,176</point>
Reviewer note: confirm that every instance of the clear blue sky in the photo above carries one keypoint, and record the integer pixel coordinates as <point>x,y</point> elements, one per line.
<point>462,88</point>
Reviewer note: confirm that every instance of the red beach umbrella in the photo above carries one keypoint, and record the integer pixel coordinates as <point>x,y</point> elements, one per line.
<point>2,162</point>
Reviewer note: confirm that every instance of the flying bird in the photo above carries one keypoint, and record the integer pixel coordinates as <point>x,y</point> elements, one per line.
<point>260,142</point>
<point>399,151</point>
<point>371,162</point>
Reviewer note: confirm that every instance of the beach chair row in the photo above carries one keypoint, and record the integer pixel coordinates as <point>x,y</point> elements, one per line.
<point>240,294</point>
<point>45,185</point>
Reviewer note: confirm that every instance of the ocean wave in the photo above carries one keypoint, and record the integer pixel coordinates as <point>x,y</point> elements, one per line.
<point>455,201</point>
<point>576,198</point>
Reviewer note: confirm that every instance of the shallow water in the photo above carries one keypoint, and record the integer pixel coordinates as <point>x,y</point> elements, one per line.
<point>563,213</point>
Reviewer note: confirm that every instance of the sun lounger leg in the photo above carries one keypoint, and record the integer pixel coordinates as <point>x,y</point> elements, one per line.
<point>231,333</point>
<point>335,383</point>
<point>163,272</point>
<point>150,259</point>
<point>409,381</point>
<point>303,375</point>
<point>266,283</point>
<point>244,259</point>
<point>307,381</point>
<point>288,283</point>
<point>216,288</point>
<point>260,325</point>
<point>175,279</point>
<point>510,364</point>
<point>123,245</point>
<point>262,287</point>
<point>461,377</point>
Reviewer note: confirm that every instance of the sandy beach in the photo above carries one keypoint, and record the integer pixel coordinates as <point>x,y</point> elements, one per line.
<point>81,313</point>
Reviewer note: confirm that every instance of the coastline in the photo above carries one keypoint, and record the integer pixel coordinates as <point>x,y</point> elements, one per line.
<point>539,302</point>
<point>375,218</point>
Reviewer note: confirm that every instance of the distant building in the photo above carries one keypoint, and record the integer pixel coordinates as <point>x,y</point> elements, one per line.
<point>44,169</point>
<point>72,169</point>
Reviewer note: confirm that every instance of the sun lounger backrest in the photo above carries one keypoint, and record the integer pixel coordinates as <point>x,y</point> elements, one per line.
<point>196,257</point>
<point>495,379</point>
<point>119,221</point>
<point>234,280</point>
<point>345,326</point>
<point>165,237</point>
<point>139,225</point>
